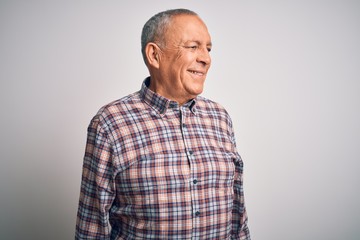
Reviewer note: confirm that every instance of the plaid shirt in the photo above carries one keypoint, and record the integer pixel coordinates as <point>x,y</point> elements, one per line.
<point>156,170</point>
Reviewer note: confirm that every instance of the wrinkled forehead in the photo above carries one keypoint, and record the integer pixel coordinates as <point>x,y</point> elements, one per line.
<point>187,28</point>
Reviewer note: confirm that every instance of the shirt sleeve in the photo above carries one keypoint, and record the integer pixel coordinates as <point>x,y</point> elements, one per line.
<point>97,186</point>
<point>240,228</point>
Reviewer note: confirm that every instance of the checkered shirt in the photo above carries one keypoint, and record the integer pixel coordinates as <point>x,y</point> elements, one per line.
<point>156,170</point>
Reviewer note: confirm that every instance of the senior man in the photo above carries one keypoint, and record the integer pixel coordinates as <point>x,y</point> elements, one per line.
<point>162,163</point>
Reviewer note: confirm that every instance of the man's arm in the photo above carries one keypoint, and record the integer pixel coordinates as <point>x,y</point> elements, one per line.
<point>240,228</point>
<point>239,222</point>
<point>97,189</point>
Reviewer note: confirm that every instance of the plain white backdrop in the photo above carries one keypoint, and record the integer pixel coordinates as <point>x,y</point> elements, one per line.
<point>287,71</point>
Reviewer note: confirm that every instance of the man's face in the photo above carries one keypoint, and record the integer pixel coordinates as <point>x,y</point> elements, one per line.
<point>185,59</point>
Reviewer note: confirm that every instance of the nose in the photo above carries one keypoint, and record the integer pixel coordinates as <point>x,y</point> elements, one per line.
<point>204,57</point>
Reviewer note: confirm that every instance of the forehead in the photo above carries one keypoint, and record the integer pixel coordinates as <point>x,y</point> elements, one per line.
<point>187,28</point>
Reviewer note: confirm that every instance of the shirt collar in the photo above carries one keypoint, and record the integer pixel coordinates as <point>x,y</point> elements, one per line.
<point>160,103</point>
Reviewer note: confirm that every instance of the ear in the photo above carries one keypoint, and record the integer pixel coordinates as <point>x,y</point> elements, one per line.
<point>152,52</point>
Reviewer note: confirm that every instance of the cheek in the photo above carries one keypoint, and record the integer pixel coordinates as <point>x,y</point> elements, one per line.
<point>186,58</point>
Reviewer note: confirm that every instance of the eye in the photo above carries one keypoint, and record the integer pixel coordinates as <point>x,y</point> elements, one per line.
<point>209,49</point>
<point>192,47</point>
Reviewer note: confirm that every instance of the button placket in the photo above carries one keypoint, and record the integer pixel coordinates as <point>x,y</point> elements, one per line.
<point>191,155</point>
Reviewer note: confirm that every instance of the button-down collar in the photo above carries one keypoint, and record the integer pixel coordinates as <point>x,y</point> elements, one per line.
<point>159,103</point>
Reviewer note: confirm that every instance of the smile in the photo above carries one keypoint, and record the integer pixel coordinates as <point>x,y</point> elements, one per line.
<point>196,73</point>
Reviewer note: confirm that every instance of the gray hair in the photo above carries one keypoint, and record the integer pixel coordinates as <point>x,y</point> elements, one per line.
<point>154,29</point>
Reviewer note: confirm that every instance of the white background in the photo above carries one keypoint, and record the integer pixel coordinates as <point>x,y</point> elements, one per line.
<point>287,71</point>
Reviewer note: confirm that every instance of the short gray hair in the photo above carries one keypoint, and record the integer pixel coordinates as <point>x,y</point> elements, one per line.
<point>154,29</point>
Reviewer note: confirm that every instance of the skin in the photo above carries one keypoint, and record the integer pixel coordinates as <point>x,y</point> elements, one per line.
<point>178,69</point>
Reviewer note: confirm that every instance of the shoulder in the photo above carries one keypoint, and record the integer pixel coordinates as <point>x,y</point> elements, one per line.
<point>208,107</point>
<point>217,114</point>
<point>118,111</point>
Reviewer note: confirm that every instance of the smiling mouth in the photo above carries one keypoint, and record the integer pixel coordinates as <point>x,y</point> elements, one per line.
<point>196,73</point>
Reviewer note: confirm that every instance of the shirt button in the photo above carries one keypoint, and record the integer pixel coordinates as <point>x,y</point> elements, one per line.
<point>197,213</point>
<point>191,152</point>
<point>195,181</point>
<point>184,125</point>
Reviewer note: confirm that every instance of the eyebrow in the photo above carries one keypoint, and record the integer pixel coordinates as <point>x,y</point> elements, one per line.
<point>198,42</point>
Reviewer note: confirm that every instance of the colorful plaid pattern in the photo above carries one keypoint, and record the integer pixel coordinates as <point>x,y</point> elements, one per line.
<point>156,170</point>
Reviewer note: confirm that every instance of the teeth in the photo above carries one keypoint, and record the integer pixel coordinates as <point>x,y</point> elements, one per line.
<point>197,73</point>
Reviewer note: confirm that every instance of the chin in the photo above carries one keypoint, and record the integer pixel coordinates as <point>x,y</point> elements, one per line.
<point>198,91</point>
<point>195,89</point>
